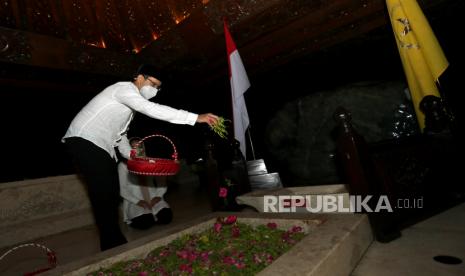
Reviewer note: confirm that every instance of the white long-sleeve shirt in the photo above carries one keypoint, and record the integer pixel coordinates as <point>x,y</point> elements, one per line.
<point>105,119</point>
<point>131,189</point>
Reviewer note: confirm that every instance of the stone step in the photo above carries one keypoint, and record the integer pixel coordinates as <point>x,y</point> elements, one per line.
<point>256,199</point>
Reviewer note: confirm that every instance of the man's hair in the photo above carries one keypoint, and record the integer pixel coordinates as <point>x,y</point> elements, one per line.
<point>146,70</point>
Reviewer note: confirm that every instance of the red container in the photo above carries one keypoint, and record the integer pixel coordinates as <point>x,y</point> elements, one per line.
<point>143,165</point>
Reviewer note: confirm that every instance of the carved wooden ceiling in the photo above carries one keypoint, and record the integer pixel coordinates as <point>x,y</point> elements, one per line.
<point>122,25</point>
<point>181,36</point>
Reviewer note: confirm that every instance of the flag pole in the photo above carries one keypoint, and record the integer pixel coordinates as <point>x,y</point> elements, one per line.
<point>225,22</point>
<point>251,143</point>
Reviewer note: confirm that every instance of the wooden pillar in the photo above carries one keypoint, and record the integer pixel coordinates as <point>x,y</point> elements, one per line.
<point>363,178</point>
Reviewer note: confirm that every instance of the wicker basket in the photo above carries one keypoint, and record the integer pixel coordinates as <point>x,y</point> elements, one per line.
<point>143,165</point>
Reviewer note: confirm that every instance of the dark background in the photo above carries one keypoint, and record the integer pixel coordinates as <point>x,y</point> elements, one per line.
<point>34,118</point>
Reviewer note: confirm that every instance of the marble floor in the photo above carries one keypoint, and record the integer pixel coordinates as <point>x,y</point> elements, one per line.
<point>188,200</point>
<point>412,254</point>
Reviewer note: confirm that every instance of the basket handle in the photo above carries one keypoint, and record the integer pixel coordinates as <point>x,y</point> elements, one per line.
<point>51,257</point>
<point>175,152</point>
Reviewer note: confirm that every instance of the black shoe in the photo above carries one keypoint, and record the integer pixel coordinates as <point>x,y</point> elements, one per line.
<point>143,222</point>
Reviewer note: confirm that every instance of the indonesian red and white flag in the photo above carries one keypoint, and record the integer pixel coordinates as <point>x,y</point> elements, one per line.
<point>239,84</point>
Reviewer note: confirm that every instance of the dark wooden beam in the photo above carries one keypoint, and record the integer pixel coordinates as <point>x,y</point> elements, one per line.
<point>38,85</point>
<point>45,51</point>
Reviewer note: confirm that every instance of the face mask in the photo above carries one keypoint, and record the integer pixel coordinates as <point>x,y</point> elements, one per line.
<point>148,92</point>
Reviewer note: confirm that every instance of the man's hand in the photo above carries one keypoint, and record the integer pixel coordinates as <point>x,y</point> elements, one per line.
<point>154,201</point>
<point>209,118</point>
<point>144,204</point>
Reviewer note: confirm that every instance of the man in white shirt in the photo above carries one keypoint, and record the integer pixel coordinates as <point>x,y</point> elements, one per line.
<point>101,126</point>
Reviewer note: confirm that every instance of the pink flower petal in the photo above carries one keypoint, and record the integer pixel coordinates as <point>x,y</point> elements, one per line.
<point>223,192</point>
<point>256,259</point>
<point>217,227</point>
<point>236,232</point>
<point>296,229</point>
<point>230,220</point>
<point>204,256</point>
<point>185,267</point>
<point>229,260</point>
<point>183,254</point>
<point>240,265</point>
<point>272,225</point>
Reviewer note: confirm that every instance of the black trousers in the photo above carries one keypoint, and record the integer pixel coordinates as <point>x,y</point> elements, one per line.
<point>101,176</point>
<point>145,221</point>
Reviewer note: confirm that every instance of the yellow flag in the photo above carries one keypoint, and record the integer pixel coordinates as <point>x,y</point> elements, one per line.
<point>422,57</point>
